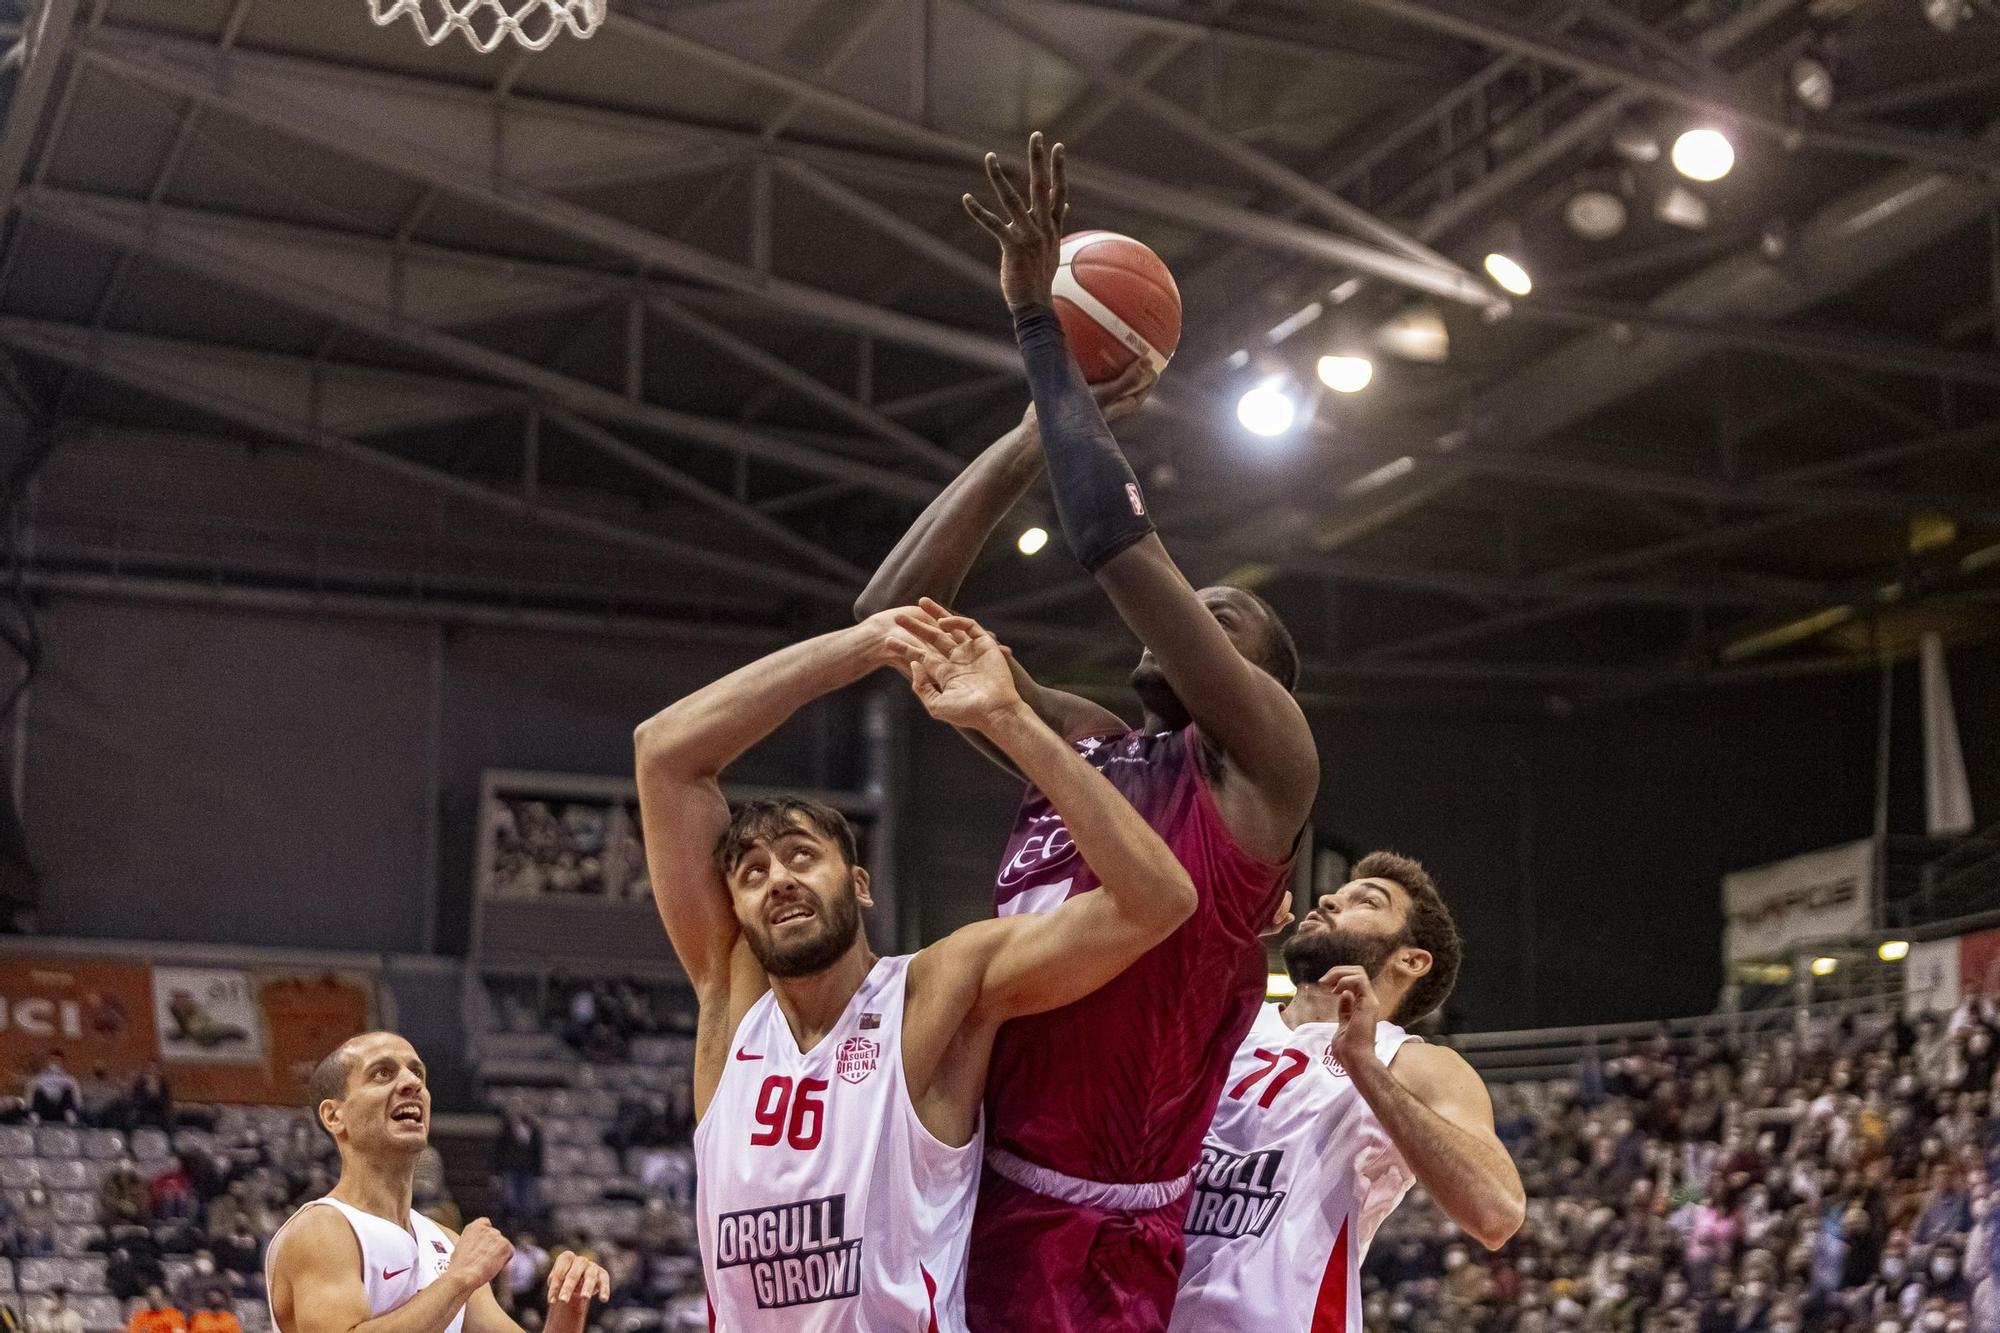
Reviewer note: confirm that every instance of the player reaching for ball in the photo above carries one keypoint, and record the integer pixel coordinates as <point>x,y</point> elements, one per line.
<point>1096,1111</point>
<point>361,1260</point>
<point>1332,1110</point>
<point>838,1094</point>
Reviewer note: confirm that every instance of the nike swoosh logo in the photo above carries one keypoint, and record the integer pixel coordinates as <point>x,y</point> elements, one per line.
<point>390,1275</point>
<point>745,1055</point>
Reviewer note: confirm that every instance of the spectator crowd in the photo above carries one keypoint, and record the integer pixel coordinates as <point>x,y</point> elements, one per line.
<point>1839,1178</point>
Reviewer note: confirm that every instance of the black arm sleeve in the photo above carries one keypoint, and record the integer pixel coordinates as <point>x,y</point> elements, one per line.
<point>1097,497</point>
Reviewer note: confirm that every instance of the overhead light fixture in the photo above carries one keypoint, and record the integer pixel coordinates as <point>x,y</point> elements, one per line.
<point>1824,967</point>
<point>1417,334</point>
<point>1293,322</point>
<point>1682,207</point>
<point>1346,374</point>
<point>1704,155</point>
<point>1595,214</point>
<point>1279,986</point>
<point>1893,951</point>
<point>1810,80</point>
<point>1268,409</point>
<point>1635,143</point>
<point>1032,541</point>
<point>1507,271</point>
<point>1946,15</point>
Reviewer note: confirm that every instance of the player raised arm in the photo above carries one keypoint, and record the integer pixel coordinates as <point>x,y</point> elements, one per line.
<point>1436,1111</point>
<point>1243,710</point>
<point>680,755</point>
<point>1033,962</point>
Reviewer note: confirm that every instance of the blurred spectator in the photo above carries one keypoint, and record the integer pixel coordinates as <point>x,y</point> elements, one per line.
<point>202,1275</point>
<point>171,1195</point>
<point>149,1102</point>
<point>53,1093</point>
<point>215,1316</point>
<point>123,1196</point>
<point>133,1268</point>
<point>157,1315</point>
<point>35,1228</point>
<point>517,1160</point>
<point>55,1316</point>
<point>526,1272</point>
<point>237,1251</point>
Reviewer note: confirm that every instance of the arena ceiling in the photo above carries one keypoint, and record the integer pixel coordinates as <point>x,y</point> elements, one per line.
<point>673,331</point>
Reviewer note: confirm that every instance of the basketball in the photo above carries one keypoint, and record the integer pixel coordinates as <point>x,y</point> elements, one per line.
<point>1117,302</point>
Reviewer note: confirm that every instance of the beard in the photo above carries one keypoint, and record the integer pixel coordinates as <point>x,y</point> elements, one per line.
<point>1158,698</point>
<point>840,923</point>
<point>1308,957</point>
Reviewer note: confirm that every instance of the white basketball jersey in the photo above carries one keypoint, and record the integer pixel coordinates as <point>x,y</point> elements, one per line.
<point>1296,1174</point>
<point>825,1206</point>
<point>396,1262</point>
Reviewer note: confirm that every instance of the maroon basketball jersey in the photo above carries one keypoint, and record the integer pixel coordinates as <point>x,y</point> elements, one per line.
<point>1119,1087</point>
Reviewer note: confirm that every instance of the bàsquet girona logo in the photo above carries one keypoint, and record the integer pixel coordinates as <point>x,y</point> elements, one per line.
<point>856,1059</point>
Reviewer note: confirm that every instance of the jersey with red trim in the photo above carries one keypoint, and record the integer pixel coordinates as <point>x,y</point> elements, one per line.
<point>1295,1177</point>
<point>1118,1086</point>
<point>396,1262</point>
<point>824,1204</point>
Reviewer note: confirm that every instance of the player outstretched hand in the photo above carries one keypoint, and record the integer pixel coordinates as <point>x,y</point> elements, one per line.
<point>1029,229</point>
<point>958,671</point>
<point>1358,1009</point>
<point>574,1282</point>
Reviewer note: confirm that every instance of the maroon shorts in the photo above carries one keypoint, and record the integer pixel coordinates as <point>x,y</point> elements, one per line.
<point>1053,1267</point>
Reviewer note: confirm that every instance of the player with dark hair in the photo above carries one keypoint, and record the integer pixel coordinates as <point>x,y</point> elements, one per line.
<point>837,1093</point>
<point>1333,1110</point>
<point>362,1260</point>
<point>1096,1113</point>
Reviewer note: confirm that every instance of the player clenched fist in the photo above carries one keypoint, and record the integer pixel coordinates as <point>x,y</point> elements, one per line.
<point>480,1255</point>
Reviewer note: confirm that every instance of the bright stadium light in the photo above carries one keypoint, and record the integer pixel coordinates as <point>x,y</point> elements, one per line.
<point>1346,374</point>
<point>1267,410</point>
<point>1033,540</point>
<point>1824,967</point>
<point>1509,274</point>
<point>1893,951</point>
<point>1279,986</point>
<point>1704,155</point>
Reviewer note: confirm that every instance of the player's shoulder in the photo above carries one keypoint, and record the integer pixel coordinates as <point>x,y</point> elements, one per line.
<point>315,1234</point>
<point>1425,1066</point>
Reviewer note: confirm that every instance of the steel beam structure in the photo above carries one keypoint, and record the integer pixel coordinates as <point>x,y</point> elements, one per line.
<point>1825,132</point>
<point>180,240</point>
<point>155,366</point>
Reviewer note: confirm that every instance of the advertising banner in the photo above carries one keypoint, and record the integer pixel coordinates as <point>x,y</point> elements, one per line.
<point>1773,909</point>
<point>207,1016</point>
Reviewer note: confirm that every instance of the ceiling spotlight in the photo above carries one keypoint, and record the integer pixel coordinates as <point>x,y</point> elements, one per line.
<point>1509,274</point>
<point>1267,410</point>
<point>1595,215</point>
<point>1032,541</point>
<point>1681,207</point>
<point>1946,15</point>
<point>1824,966</point>
<point>1704,155</point>
<point>1346,374</point>
<point>1811,82</point>
<point>1417,334</point>
<point>1893,951</point>
<point>1635,143</point>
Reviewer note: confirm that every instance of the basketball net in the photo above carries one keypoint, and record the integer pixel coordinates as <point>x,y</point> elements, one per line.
<point>488,23</point>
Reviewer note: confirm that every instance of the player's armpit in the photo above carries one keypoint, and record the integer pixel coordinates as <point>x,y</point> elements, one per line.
<point>1241,708</point>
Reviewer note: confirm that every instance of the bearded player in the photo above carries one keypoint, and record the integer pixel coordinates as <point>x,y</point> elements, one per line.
<point>838,1094</point>
<point>362,1260</point>
<point>1096,1111</point>
<point>1332,1110</point>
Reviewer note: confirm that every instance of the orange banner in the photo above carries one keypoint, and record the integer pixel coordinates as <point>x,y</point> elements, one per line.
<point>96,1014</point>
<point>100,1016</point>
